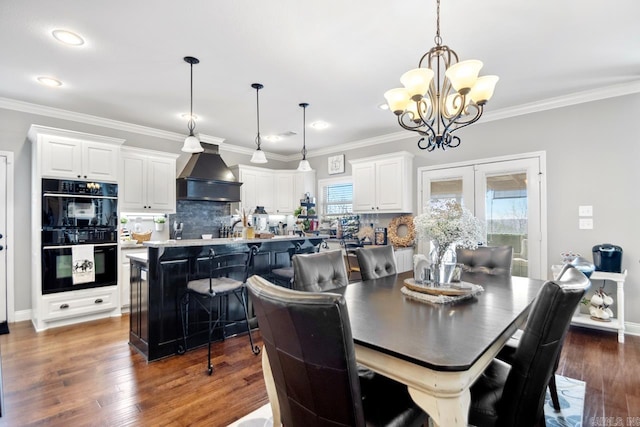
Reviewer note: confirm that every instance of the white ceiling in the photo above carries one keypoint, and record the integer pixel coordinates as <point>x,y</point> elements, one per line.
<point>338,56</point>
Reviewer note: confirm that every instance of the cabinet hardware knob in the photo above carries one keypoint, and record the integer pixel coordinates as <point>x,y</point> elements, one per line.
<point>98,301</point>
<point>79,176</point>
<point>63,306</point>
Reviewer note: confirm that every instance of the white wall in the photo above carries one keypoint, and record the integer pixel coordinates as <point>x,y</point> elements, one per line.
<point>593,158</point>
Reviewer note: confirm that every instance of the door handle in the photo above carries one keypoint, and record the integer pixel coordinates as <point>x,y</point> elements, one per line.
<point>1,247</point>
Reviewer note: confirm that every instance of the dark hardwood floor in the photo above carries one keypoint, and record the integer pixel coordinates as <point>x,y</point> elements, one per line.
<point>88,375</point>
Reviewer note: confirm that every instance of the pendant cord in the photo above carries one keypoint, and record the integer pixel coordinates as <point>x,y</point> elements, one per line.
<point>258,115</point>
<point>437,38</point>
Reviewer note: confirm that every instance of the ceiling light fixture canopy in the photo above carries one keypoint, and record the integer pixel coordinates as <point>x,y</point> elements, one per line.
<point>435,103</point>
<point>258,155</point>
<point>304,165</point>
<point>191,142</point>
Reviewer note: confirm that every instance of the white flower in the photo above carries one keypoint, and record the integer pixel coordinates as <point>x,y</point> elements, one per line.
<point>446,223</point>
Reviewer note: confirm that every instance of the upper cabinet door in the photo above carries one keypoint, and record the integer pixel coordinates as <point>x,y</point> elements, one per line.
<point>132,192</point>
<point>389,182</point>
<point>364,187</point>
<point>161,184</point>
<point>283,189</point>
<point>99,161</point>
<point>148,182</point>
<point>61,158</point>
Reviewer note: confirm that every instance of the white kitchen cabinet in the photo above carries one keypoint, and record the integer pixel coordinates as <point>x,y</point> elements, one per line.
<point>74,155</point>
<point>279,191</point>
<point>147,181</point>
<point>125,275</point>
<point>383,184</point>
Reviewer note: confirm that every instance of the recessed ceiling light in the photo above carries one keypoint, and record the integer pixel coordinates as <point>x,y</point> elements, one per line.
<point>49,81</point>
<point>272,138</point>
<point>383,106</point>
<point>67,37</point>
<point>187,115</point>
<point>319,125</point>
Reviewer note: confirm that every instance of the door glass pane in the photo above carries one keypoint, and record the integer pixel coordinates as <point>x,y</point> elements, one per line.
<point>506,208</point>
<point>450,189</point>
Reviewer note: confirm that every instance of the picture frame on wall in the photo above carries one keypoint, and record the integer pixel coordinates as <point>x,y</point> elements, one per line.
<point>336,164</point>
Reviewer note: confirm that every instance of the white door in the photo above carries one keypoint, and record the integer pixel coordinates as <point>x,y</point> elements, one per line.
<point>3,239</point>
<point>508,195</point>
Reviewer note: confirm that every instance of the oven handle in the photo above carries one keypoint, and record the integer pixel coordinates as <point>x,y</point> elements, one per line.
<point>78,196</point>
<point>71,246</point>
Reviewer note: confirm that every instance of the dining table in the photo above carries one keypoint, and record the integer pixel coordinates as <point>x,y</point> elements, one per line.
<point>437,350</point>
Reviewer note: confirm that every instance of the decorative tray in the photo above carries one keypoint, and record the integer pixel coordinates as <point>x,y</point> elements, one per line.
<point>448,289</point>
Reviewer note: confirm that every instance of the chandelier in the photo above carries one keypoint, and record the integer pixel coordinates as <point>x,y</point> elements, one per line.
<point>441,97</point>
<point>191,142</point>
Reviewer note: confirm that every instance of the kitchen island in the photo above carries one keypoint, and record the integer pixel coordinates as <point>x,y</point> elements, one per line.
<point>159,278</point>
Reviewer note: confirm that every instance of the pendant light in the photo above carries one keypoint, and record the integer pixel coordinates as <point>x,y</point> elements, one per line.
<point>304,165</point>
<point>258,155</point>
<point>191,142</point>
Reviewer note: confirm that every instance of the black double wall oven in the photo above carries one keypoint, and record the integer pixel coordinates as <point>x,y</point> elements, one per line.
<point>78,213</point>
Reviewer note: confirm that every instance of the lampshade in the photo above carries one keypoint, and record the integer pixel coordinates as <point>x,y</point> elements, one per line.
<point>304,166</point>
<point>464,74</point>
<point>412,107</point>
<point>258,157</point>
<point>397,99</point>
<point>417,82</point>
<point>192,145</point>
<point>482,91</point>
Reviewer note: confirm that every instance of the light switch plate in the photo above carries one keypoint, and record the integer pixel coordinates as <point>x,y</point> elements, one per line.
<point>586,223</point>
<point>585,210</point>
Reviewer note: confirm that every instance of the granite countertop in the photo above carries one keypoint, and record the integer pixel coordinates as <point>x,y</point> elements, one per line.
<point>224,241</point>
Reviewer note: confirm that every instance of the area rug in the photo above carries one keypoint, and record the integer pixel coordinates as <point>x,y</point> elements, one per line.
<point>570,394</point>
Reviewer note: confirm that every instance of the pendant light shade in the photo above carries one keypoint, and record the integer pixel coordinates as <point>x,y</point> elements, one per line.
<point>191,142</point>
<point>258,155</point>
<point>304,165</point>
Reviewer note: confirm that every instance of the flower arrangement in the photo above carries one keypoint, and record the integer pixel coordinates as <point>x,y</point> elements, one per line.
<point>446,223</point>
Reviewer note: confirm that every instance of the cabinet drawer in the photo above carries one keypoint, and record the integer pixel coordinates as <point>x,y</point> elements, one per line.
<point>79,303</point>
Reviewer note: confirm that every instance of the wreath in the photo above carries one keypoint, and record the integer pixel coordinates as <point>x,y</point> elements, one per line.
<point>392,232</point>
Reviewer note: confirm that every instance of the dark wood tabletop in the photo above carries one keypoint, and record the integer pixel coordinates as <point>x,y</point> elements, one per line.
<point>442,337</point>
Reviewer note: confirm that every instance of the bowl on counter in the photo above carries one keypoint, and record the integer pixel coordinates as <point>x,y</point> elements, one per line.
<point>207,236</point>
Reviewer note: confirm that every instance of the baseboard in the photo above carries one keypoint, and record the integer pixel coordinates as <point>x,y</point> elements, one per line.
<point>632,328</point>
<point>22,315</point>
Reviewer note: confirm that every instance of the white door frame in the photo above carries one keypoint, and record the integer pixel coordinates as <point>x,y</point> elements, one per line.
<point>542,183</point>
<point>9,247</point>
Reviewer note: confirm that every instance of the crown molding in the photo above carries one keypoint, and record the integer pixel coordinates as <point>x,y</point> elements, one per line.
<point>505,113</point>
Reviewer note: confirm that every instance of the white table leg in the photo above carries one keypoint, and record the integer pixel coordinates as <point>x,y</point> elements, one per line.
<point>444,411</point>
<point>271,388</point>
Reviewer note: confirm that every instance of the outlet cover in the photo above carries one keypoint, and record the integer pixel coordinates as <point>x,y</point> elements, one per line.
<point>585,210</point>
<point>586,223</point>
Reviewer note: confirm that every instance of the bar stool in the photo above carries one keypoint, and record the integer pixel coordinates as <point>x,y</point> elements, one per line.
<point>227,276</point>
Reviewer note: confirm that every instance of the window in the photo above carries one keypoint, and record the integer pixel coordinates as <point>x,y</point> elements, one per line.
<point>337,196</point>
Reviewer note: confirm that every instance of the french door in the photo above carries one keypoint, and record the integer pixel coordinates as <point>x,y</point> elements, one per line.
<point>507,194</point>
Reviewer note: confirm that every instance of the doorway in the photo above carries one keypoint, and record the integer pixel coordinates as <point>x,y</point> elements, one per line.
<point>507,193</point>
<point>6,240</point>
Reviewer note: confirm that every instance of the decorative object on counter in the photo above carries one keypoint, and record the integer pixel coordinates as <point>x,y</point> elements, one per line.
<point>569,256</point>
<point>191,142</point>
<point>396,234</point>
<point>258,155</point>
<point>380,236</point>
<point>336,164</point>
<point>440,295</point>
<point>304,165</point>
<point>207,236</point>
<point>599,306</point>
<point>447,224</point>
<point>177,230</point>
<point>437,107</point>
<point>142,237</point>
<point>159,222</point>
<point>248,232</point>
<point>366,235</point>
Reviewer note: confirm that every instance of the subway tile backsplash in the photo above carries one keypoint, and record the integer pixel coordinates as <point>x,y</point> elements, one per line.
<point>200,218</point>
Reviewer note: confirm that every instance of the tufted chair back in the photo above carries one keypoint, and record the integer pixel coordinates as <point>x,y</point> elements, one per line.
<point>319,272</point>
<point>485,261</point>
<point>376,262</point>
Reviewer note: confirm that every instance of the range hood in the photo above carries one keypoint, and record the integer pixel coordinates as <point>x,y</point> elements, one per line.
<point>206,177</point>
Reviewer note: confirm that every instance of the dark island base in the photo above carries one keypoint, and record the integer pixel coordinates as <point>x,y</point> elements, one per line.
<point>158,285</point>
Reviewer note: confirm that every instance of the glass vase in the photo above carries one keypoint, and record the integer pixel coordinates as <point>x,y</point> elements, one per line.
<point>443,263</point>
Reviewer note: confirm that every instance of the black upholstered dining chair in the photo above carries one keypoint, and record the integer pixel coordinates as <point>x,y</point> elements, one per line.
<point>284,274</point>
<point>484,261</point>
<point>513,394</point>
<point>227,276</point>
<point>376,262</point>
<point>307,337</point>
<point>319,272</point>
